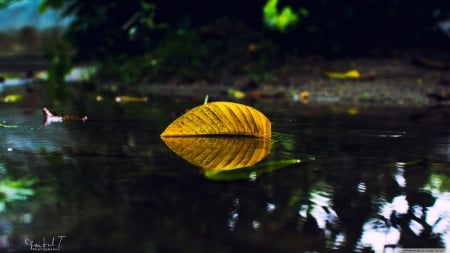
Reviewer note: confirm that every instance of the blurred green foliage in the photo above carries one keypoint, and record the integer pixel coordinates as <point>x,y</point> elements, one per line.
<point>208,53</point>
<point>60,55</point>
<point>284,19</point>
<point>104,30</point>
<point>155,40</point>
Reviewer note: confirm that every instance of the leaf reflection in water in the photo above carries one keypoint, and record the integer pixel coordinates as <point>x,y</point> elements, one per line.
<point>219,153</point>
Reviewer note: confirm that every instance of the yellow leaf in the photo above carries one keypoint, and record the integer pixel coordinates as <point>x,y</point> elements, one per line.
<point>219,153</point>
<point>221,118</point>
<point>352,111</point>
<point>351,74</point>
<point>304,97</point>
<point>12,98</point>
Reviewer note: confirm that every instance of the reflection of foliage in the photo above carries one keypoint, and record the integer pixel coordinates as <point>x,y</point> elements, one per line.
<point>12,190</point>
<point>283,143</point>
<point>439,183</point>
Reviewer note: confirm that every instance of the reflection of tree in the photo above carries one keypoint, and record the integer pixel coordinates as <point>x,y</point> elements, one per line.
<point>346,210</point>
<point>411,219</point>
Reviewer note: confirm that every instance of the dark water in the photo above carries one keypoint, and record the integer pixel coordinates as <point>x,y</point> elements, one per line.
<point>112,185</point>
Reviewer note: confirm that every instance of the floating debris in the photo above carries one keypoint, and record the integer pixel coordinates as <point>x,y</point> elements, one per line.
<point>128,99</point>
<point>50,117</point>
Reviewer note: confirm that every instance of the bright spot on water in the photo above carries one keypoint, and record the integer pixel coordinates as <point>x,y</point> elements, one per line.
<point>401,181</point>
<point>256,225</point>
<point>400,204</point>
<point>340,239</point>
<point>417,211</point>
<point>234,215</point>
<point>321,216</point>
<point>399,176</point>
<point>362,187</point>
<point>320,199</point>
<point>270,207</point>
<point>438,215</point>
<point>416,227</point>
<point>252,176</point>
<point>303,211</point>
<point>376,234</point>
<point>27,218</point>
<point>391,134</point>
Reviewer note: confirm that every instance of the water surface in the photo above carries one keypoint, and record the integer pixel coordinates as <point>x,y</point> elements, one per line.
<point>111,184</point>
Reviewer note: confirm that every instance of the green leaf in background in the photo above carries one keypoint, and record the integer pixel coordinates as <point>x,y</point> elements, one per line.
<point>12,98</point>
<point>284,19</point>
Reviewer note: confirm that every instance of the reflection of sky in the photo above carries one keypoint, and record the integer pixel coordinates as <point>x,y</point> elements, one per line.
<point>383,231</point>
<point>408,208</point>
<point>26,13</point>
<point>379,233</point>
<point>438,216</point>
<point>322,211</point>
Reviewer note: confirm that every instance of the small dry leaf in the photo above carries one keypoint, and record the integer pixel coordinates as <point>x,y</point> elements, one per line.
<point>128,99</point>
<point>220,153</point>
<point>351,74</point>
<point>220,118</point>
<point>304,96</point>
